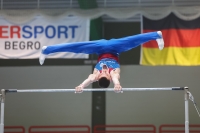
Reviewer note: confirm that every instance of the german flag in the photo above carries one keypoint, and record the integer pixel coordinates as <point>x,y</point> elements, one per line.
<point>182,42</point>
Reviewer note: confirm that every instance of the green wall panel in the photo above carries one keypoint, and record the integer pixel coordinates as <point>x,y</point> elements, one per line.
<point>98,98</point>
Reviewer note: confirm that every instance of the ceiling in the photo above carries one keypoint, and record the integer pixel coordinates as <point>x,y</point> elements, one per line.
<point>54,4</point>
<point>63,4</point>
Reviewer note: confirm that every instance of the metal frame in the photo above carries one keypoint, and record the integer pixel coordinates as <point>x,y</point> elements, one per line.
<point>4,91</point>
<point>101,4</point>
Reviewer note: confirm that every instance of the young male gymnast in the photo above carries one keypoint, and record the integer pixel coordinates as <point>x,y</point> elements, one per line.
<point>107,68</point>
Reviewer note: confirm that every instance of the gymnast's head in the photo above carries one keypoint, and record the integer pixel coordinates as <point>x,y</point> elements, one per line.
<point>104,77</point>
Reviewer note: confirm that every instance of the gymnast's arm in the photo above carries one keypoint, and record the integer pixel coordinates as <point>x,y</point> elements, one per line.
<point>115,75</point>
<point>91,78</point>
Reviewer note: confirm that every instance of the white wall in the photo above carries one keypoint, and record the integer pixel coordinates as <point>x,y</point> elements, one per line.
<point>153,107</point>
<point>150,107</point>
<point>28,109</point>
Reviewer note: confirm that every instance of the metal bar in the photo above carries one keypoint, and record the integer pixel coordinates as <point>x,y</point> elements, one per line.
<point>186,111</point>
<point>2,111</point>
<point>1,4</point>
<point>4,91</point>
<point>173,3</point>
<point>105,3</point>
<point>139,2</point>
<point>94,89</point>
<point>38,4</point>
<point>71,3</point>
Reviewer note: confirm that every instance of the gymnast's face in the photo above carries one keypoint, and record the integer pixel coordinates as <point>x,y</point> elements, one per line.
<point>105,73</point>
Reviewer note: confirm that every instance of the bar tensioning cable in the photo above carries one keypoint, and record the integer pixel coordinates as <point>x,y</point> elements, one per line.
<point>95,89</point>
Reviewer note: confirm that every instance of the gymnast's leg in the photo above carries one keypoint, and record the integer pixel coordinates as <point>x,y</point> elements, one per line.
<point>127,43</point>
<point>88,47</point>
<point>104,46</point>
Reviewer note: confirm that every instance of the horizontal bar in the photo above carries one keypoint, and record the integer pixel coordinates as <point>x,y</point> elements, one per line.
<point>94,89</point>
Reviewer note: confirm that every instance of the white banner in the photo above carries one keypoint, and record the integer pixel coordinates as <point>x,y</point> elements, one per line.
<point>24,41</point>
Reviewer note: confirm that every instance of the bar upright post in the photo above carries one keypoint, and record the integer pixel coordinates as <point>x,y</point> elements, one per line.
<point>2,111</point>
<point>186,110</point>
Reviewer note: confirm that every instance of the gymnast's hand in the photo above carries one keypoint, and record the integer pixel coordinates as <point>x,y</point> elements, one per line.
<point>118,88</point>
<point>79,89</point>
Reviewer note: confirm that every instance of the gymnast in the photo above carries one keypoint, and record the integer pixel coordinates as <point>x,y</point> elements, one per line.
<point>107,68</point>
